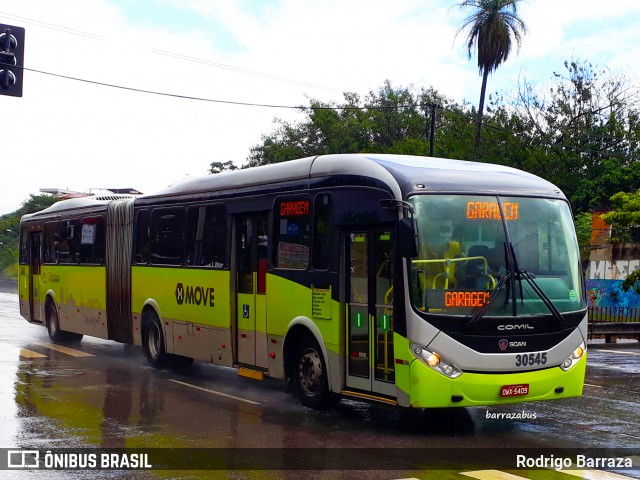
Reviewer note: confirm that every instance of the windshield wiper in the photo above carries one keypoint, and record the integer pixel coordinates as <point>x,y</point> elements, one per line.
<point>478,314</point>
<point>543,296</point>
<point>485,307</point>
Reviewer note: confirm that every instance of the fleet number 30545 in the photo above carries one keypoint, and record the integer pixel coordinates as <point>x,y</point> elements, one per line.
<point>531,359</point>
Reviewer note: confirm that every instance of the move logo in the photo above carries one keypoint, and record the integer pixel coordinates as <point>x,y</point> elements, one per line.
<point>195,295</point>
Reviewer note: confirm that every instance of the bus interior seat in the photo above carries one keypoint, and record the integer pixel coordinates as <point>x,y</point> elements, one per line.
<point>474,269</point>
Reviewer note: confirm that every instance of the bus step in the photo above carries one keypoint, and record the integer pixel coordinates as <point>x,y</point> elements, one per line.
<point>368,396</point>
<point>247,372</point>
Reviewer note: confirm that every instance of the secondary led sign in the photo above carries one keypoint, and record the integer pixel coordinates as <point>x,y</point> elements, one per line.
<point>491,210</point>
<point>465,299</point>
<point>291,209</point>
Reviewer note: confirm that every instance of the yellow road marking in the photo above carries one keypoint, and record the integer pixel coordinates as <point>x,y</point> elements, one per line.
<point>226,395</point>
<point>595,475</point>
<point>67,350</point>
<point>492,475</point>
<point>23,352</point>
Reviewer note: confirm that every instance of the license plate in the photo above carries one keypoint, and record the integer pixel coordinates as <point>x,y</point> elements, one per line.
<point>514,390</point>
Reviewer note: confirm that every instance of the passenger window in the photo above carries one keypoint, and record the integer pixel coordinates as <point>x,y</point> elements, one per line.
<point>167,227</point>
<point>143,237</point>
<point>293,234</point>
<point>206,237</point>
<point>92,241</point>
<point>68,242</point>
<point>322,231</point>
<point>51,241</point>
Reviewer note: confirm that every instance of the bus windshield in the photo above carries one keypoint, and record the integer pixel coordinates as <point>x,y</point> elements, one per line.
<point>522,250</point>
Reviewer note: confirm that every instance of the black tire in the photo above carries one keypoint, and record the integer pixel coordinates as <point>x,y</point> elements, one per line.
<point>309,378</point>
<point>56,334</point>
<point>153,343</point>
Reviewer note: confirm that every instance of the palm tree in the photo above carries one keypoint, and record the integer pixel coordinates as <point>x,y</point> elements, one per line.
<point>492,25</point>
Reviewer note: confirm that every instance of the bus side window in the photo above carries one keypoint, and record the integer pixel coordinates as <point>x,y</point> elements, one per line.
<point>92,241</point>
<point>292,234</point>
<point>143,237</point>
<point>206,236</point>
<point>69,242</point>
<point>167,226</point>
<point>219,237</point>
<point>50,248</point>
<point>322,232</point>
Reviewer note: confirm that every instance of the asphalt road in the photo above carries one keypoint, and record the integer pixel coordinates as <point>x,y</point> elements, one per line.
<point>102,395</point>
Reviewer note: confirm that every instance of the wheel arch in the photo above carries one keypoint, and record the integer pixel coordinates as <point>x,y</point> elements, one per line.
<point>49,299</point>
<point>150,308</point>
<point>298,328</point>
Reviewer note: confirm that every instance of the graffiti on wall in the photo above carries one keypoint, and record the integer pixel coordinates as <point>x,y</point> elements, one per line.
<point>609,293</point>
<point>616,270</point>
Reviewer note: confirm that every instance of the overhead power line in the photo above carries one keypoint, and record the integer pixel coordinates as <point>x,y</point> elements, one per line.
<point>220,101</point>
<point>179,56</point>
<point>53,26</point>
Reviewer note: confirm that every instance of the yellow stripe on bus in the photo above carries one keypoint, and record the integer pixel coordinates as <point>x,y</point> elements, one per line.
<point>492,475</point>
<point>67,350</point>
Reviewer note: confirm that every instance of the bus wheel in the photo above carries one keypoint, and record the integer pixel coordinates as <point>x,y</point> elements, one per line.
<point>153,344</point>
<point>309,376</point>
<point>53,327</point>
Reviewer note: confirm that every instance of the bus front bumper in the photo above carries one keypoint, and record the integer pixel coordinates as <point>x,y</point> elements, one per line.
<point>431,389</point>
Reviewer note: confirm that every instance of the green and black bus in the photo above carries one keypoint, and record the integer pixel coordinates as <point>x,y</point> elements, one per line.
<point>412,281</point>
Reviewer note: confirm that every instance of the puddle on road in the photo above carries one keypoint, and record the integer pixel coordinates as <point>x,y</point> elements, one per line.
<point>62,372</point>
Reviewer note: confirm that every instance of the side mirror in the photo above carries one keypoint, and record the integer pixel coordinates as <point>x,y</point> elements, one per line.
<point>407,238</point>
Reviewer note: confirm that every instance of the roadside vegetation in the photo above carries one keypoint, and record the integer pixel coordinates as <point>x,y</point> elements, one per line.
<point>9,232</point>
<point>580,130</point>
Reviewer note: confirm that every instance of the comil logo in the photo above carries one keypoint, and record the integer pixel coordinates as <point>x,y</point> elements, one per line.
<point>520,326</point>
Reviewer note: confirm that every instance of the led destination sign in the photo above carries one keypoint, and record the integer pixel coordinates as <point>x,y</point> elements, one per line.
<point>491,211</point>
<point>290,209</point>
<point>465,299</point>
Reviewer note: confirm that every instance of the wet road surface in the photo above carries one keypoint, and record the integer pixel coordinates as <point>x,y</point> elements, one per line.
<point>102,394</point>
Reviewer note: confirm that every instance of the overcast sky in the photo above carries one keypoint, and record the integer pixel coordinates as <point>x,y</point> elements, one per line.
<point>69,134</point>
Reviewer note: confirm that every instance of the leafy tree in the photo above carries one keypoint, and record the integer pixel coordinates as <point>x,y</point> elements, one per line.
<point>585,129</point>
<point>391,120</point>
<point>492,27</point>
<point>625,217</point>
<point>583,229</point>
<point>10,228</point>
<point>219,167</point>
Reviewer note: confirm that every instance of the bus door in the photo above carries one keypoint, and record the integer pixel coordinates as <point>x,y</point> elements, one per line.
<point>369,283</point>
<point>251,239</point>
<point>36,309</point>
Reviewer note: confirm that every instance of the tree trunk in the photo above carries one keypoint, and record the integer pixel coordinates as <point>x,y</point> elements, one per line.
<point>483,89</point>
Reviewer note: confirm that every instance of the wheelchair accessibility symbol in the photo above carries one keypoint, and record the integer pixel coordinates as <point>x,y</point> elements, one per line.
<point>245,311</point>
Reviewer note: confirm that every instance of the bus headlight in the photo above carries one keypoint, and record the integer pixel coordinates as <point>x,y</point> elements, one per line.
<point>573,358</point>
<point>435,361</point>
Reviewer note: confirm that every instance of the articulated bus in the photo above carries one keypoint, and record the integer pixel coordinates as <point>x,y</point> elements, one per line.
<point>411,281</point>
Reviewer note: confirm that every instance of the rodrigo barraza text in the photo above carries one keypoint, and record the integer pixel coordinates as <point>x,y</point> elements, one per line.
<point>582,461</point>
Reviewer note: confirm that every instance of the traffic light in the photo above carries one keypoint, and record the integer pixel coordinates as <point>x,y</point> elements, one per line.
<point>11,60</point>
